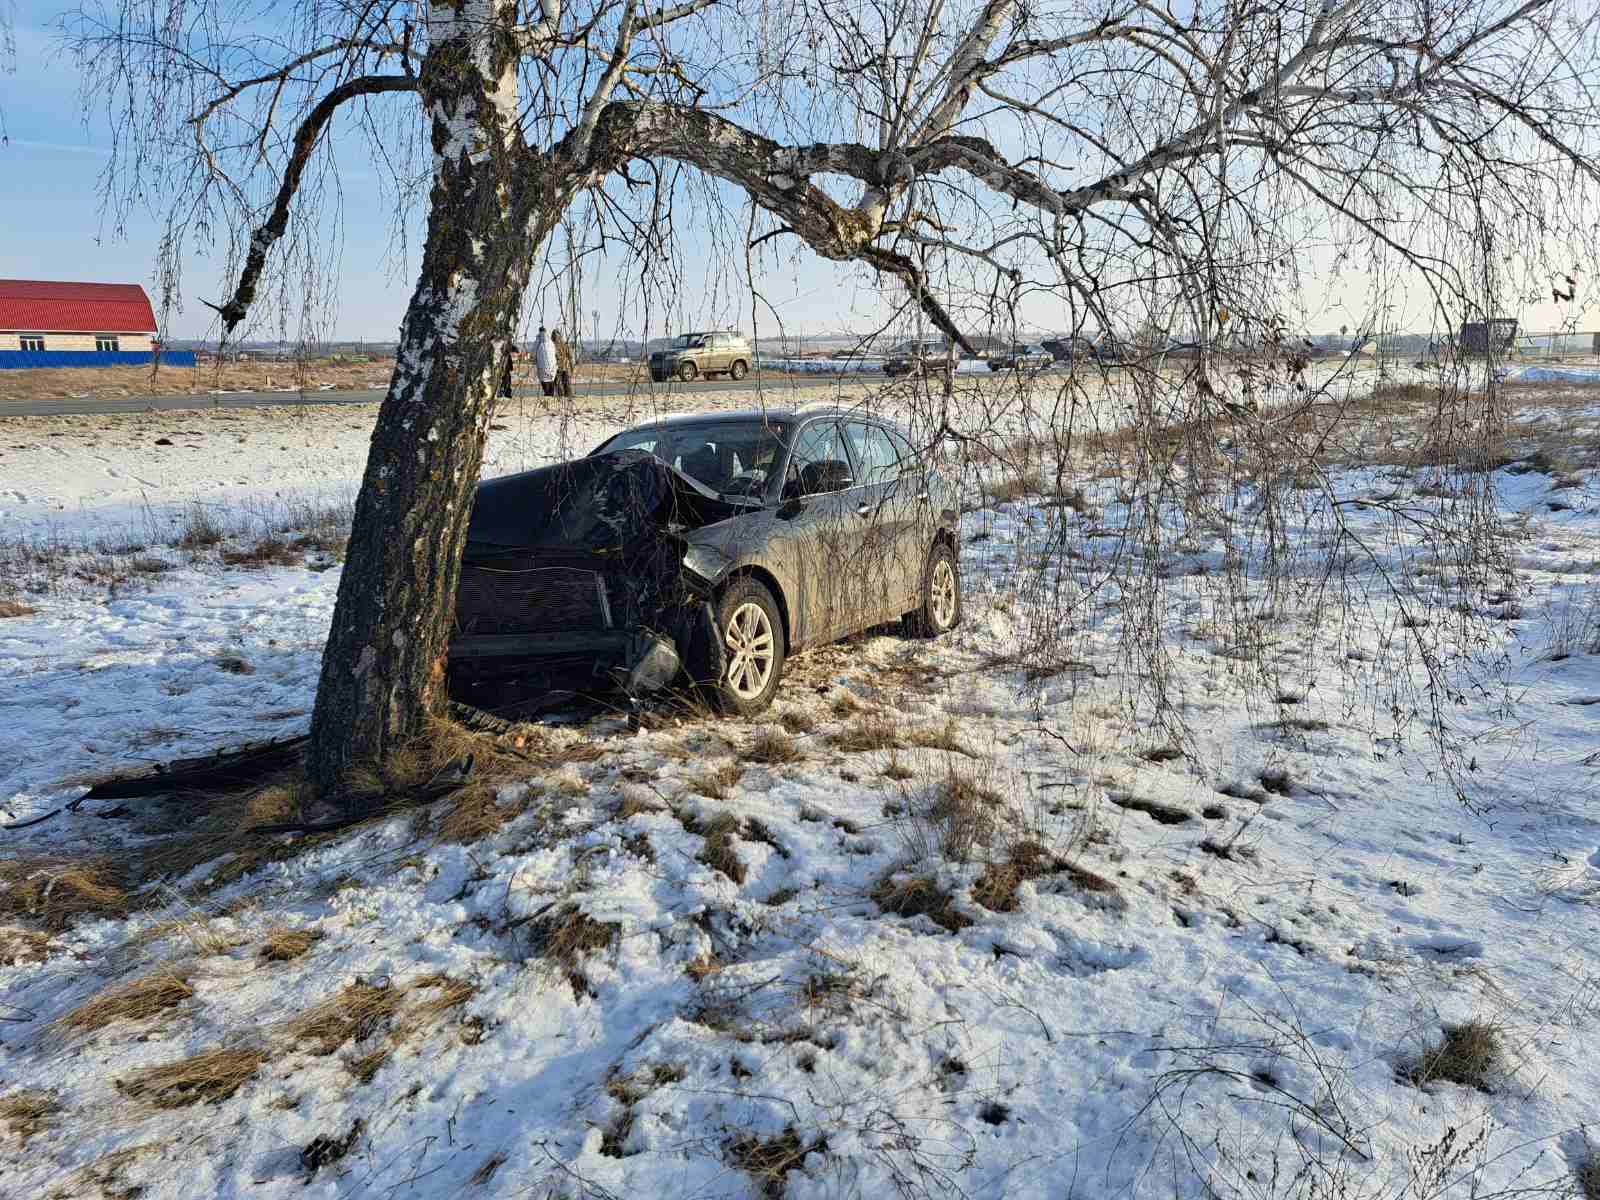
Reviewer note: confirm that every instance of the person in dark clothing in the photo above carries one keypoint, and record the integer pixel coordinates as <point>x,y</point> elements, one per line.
<point>563,363</point>
<point>505,379</point>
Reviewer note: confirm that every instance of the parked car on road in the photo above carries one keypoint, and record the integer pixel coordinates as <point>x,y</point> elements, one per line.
<point>1021,358</point>
<point>711,352</point>
<point>704,550</point>
<point>1107,352</point>
<point>916,366</point>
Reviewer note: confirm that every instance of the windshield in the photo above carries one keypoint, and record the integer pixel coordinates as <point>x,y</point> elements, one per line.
<point>732,458</point>
<point>688,341</point>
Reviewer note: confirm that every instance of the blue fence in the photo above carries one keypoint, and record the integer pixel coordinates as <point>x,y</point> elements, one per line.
<point>14,360</point>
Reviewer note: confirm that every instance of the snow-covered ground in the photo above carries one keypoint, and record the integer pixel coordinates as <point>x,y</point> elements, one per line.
<point>811,978</point>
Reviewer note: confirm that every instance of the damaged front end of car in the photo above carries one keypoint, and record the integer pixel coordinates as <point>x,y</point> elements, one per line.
<point>580,577</point>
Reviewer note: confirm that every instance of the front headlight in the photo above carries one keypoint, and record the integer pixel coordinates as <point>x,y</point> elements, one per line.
<point>705,561</point>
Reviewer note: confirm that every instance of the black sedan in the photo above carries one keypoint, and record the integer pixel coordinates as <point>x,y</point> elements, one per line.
<point>703,550</point>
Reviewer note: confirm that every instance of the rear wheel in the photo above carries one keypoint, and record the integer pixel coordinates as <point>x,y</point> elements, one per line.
<point>752,641</point>
<point>687,371</point>
<point>739,369</point>
<point>940,610</point>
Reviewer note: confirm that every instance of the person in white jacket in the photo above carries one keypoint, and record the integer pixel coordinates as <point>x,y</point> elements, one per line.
<point>544,361</point>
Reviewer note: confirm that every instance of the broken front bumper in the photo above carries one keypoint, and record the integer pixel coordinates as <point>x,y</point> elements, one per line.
<point>636,660</point>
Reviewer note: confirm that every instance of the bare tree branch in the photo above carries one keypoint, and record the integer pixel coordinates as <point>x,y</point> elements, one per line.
<point>235,309</point>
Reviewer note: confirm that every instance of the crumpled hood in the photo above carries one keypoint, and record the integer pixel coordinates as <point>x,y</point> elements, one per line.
<point>592,503</point>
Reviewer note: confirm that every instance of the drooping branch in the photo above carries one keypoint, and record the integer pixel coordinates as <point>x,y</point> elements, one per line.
<point>235,309</point>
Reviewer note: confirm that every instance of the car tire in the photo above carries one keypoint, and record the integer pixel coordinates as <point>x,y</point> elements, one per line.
<point>687,371</point>
<point>752,639</point>
<point>940,610</point>
<point>739,370</point>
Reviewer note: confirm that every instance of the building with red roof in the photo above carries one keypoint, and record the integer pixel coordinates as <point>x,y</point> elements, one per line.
<point>46,323</point>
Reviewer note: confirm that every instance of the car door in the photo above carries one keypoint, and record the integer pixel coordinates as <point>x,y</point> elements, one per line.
<point>811,533</point>
<point>888,556</point>
<point>914,515</point>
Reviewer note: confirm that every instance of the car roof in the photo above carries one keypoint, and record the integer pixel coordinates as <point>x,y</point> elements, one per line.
<point>767,414</point>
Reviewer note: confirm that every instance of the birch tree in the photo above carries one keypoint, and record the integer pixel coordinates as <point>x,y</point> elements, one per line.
<point>1100,151</point>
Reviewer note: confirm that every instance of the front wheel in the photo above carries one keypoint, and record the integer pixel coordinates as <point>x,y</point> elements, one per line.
<point>752,640</point>
<point>739,370</point>
<point>687,371</point>
<point>940,610</point>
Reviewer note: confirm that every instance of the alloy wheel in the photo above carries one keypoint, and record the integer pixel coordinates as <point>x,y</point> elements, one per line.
<point>942,594</point>
<point>751,651</point>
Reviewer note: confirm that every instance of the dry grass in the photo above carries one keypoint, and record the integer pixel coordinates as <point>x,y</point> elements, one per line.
<point>282,944</point>
<point>716,783</point>
<point>769,1160</point>
<point>966,812</point>
<point>103,1178</point>
<point>845,704</point>
<point>15,608</point>
<point>353,1014</point>
<point>190,831</point>
<point>200,529</point>
<point>1088,880</point>
<point>703,967</point>
<point>136,1000</point>
<point>896,769</point>
<point>797,720</point>
<point>938,737</point>
<point>183,832</point>
<point>627,1091</point>
<point>830,990</point>
<point>1013,487</point>
<point>772,746</point>
<point>268,551</point>
<point>57,892</point>
<point>209,1077</point>
<point>359,1012</point>
<point>868,731</point>
<point>251,375</point>
<point>996,888</point>
<point>1469,1054</point>
<point>476,812</point>
<point>26,1111</point>
<point>441,994</point>
<point>916,895</point>
<point>635,804</point>
<point>720,834</point>
<point>363,1067</point>
<point>566,936</point>
<point>19,945</point>
<point>200,829</point>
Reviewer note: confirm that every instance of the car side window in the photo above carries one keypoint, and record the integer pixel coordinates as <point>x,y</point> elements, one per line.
<point>903,451</point>
<point>816,443</point>
<point>876,460</point>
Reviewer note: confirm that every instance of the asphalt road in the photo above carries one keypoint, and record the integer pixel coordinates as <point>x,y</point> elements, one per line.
<point>134,404</point>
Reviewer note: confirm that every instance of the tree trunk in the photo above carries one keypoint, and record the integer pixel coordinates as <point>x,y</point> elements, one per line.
<point>383,665</point>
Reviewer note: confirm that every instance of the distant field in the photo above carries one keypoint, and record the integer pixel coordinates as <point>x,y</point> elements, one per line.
<point>52,383</point>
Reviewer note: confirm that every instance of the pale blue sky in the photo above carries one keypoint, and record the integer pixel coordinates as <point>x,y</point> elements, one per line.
<point>54,230</point>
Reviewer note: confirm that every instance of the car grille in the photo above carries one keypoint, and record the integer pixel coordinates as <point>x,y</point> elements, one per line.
<point>528,599</point>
